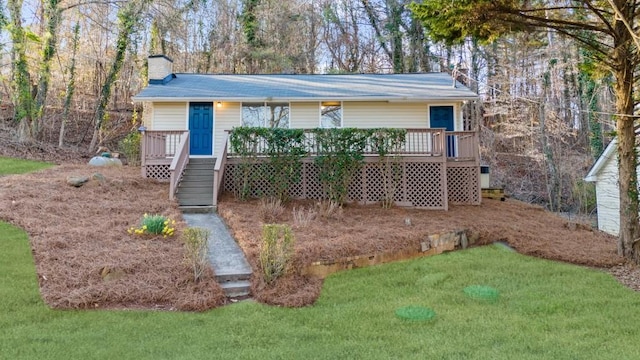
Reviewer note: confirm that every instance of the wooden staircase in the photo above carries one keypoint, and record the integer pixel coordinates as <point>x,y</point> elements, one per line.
<point>195,191</point>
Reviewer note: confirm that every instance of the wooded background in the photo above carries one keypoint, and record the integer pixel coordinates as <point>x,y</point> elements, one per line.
<point>68,70</point>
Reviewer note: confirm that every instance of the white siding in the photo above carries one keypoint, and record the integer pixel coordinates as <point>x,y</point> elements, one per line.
<point>384,114</point>
<point>608,198</point>
<point>147,114</point>
<point>226,117</point>
<point>169,116</point>
<point>305,115</point>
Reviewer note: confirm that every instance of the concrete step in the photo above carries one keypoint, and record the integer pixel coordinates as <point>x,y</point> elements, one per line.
<point>197,209</point>
<point>236,288</point>
<point>226,257</point>
<point>230,276</point>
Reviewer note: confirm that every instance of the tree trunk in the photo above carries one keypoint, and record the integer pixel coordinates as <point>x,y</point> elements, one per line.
<point>70,86</point>
<point>52,18</point>
<point>128,17</point>
<point>627,159</point>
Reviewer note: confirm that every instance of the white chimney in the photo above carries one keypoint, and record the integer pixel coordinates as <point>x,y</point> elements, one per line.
<point>160,69</point>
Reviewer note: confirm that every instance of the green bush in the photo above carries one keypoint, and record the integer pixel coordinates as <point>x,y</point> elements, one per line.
<point>196,250</point>
<point>276,250</point>
<point>130,147</point>
<point>340,157</point>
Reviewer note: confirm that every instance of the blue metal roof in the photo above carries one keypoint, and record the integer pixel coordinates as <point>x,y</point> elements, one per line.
<point>356,87</point>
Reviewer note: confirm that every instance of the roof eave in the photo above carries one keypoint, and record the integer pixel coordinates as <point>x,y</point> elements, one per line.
<point>592,175</point>
<point>275,99</point>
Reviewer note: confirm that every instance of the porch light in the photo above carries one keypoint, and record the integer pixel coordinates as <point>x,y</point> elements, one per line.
<point>219,104</point>
<point>142,129</point>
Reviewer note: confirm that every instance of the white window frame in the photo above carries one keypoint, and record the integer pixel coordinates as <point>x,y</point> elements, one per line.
<point>265,111</point>
<point>320,113</point>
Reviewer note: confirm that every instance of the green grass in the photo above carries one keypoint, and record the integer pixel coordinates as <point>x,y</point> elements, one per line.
<point>546,310</point>
<point>10,166</point>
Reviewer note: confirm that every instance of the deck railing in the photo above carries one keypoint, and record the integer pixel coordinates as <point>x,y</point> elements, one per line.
<point>218,170</point>
<point>418,142</point>
<point>160,144</point>
<point>463,146</point>
<point>178,164</point>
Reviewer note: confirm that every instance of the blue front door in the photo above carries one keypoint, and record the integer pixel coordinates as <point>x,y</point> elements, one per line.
<point>442,117</point>
<point>201,128</point>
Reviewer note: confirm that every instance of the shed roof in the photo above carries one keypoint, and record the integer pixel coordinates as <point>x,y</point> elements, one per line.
<point>357,87</point>
<point>608,153</point>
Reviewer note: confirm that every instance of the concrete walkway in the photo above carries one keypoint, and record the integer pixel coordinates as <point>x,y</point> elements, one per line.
<point>231,268</point>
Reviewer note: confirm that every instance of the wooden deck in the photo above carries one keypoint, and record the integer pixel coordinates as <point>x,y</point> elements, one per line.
<point>438,168</point>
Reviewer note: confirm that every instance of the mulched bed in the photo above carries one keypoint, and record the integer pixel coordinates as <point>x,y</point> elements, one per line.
<point>365,230</point>
<point>79,235</point>
<point>84,256</point>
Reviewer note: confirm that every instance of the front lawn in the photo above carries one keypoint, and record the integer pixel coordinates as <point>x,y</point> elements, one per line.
<point>546,310</point>
<point>10,166</point>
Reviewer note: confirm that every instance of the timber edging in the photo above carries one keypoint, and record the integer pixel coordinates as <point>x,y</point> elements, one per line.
<point>431,245</point>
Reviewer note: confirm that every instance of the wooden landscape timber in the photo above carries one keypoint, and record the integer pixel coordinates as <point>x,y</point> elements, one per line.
<point>432,245</point>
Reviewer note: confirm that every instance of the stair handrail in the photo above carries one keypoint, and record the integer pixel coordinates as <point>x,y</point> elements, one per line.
<point>218,169</point>
<point>178,164</point>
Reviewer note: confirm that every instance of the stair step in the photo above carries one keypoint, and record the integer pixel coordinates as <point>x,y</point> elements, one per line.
<point>195,184</point>
<point>190,200</point>
<point>197,209</point>
<point>200,167</point>
<point>202,160</point>
<point>236,288</point>
<point>231,277</point>
<point>198,172</point>
<point>194,177</point>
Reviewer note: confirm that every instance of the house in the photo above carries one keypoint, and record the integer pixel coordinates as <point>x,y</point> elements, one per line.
<point>604,173</point>
<point>200,109</point>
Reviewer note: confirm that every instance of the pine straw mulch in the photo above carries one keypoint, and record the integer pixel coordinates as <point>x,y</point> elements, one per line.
<point>80,234</point>
<point>84,256</point>
<point>366,230</point>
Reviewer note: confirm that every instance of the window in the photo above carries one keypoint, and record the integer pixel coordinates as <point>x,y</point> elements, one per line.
<point>268,114</point>
<point>330,114</point>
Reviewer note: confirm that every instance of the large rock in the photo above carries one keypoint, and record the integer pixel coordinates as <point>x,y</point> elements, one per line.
<point>99,178</point>
<point>77,181</point>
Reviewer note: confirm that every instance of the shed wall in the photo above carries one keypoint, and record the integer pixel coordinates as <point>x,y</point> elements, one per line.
<point>608,198</point>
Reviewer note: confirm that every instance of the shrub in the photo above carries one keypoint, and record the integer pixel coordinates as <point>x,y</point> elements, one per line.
<point>276,251</point>
<point>329,210</point>
<point>340,157</point>
<point>130,147</point>
<point>155,225</point>
<point>302,217</point>
<point>270,209</point>
<point>196,250</point>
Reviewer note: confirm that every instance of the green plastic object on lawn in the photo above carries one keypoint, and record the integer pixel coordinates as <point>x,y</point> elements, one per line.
<point>481,292</point>
<point>415,313</point>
